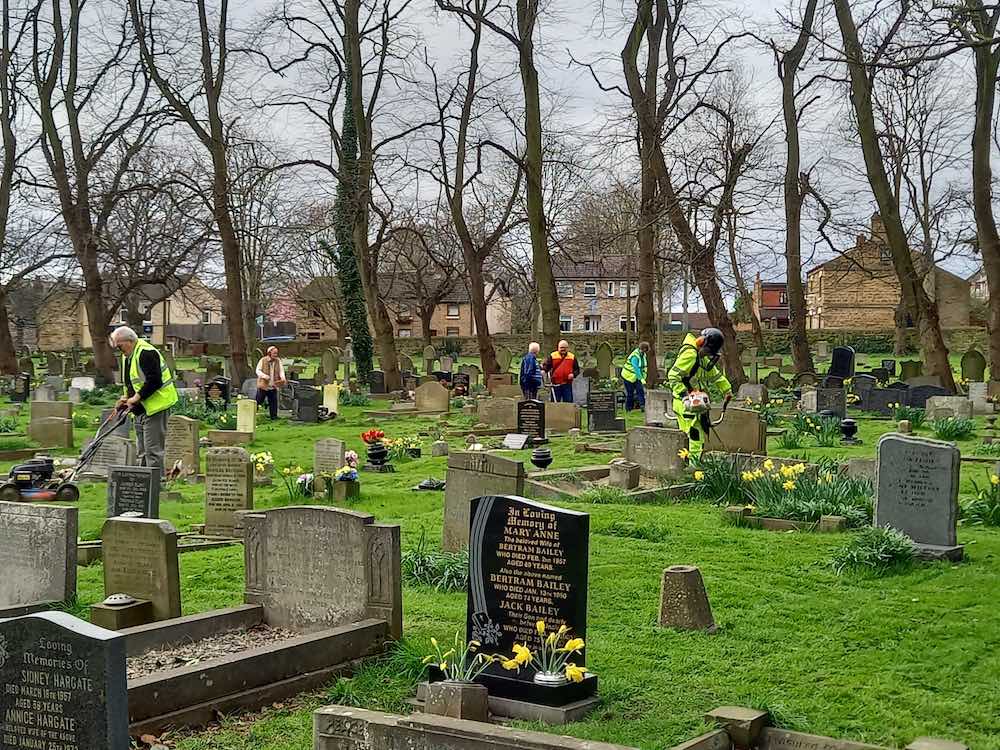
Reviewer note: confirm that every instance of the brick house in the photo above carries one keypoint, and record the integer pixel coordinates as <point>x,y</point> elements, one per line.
<point>769,301</point>
<point>319,313</point>
<point>63,322</point>
<point>596,296</point>
<point>977,284</point>
<point>859,289</point>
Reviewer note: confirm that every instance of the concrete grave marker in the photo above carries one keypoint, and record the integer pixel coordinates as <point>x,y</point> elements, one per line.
<point>134,489</point>
<point>37,554</point>
<point>973,365</point>
<point>44,393</point>
<point>182,444</point>
<point>317,567</point>
<point>978,395</point>
<point>498,412</point>
<point>742,431</point>
<point>942,407</point>
<point>472,474</point>
<point>54,432</point>
<point>331,397</point>
<point>140,559</point>
<point>246,416</point>
<point>754,392</point>
<point>498,379</point>
<point>328,455</point>
<point>447,364</point>
<point>72,675</point>
<point>507,391</point>
<point>605,356</point>
<point>114,451</point>
<point>432,397</point>
<point>917,491</point>
<point>655,450</point>
<point>562,417</point>
<point>430,357</point>
<point>660,409</point>
<point>910,368</point>
<point>44,409</point>
<point>228,489</point>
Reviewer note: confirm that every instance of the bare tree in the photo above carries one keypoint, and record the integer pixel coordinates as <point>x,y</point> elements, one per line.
<point>95,113</point>
<point>163,61</point>
<point>920,307</point>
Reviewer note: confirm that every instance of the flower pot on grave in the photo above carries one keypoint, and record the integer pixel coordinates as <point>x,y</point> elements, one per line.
<point>849,430</point>
<point>378,454</point>
<point>550,679</point>
<point>458,700</point>
<point>345,491</point>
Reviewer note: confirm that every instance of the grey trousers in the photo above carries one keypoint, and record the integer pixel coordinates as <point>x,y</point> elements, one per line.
<point>151,437</point>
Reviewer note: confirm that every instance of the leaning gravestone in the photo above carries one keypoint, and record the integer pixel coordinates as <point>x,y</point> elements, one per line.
<point>63,685</point>
<point>113,451</point>
<point>655,449</point>
<point>605,359</point>
<point>498,412</point>
<point>528,562</point>
<point>140,559</point>
<point>602,412</point>
<point>37,554</point>
<point>431,398</point>
<point>471,474</point>
<point>973,365</point>
<point>134,489</point>
<point>531,419</point>
<point>504,358</point>
<point>316,567</point>
<point>228,489</point>
<point>916,492</point>
<point>182,444</point>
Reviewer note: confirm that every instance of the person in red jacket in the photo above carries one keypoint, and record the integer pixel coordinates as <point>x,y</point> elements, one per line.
<point>562,367</point>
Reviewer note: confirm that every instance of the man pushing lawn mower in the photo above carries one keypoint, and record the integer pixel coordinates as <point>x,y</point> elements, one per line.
<point>697,367</point>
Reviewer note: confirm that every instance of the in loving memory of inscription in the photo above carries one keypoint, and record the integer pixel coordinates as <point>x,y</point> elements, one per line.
<point>916,486</point>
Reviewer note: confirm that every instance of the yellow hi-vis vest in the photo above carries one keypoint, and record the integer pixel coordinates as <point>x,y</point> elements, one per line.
<point>161,399</point>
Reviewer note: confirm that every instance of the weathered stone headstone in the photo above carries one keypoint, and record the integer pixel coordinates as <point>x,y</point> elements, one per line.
<point>43,409</point>
<point>973,365</point>
<point>44,393</point>
<point>605,356</point>
<point>825,399</point>
<point>328,455</point>
<point>432,397</point>
<point>331,397</point>
<point>624,474</point>
<point>447,364</point>
<point>581,390</point>
<point>316,567</point>
<point>880,374</point>
<point>527,562</point>
<point>504,358</point>
<point>910,368</point>
<point>22,389</point>
<point>63,685</point>
<point>330,364</point>
<point>659,409</point>
<point>507,391</point>
<point>531,419</point>
<point>655,449</point>
<point>602,412</point>
<point>742,431</point>
<point>917,491</point>
<point>405,363</point>
<point>56,382</point>
<point>775,382</point>
<point>37,554</point>
<point>941,407</point>
<point>134,489</point>
<point>753,392</point>
<point>228,489</point>
<point>182,444</point>
<point>861,385</point>
<point>497,412</point>
<point>473,474</point>
<point>249,388</point>
<point>376,381</point>
<point>978,395</point>
<point>823,350</point>
<point>114,451</point>
<point>246,416</point>
<point>473,372</point>
<point>75,396</point>
<point>498,379</point>
<point>430,357</point>
<point>51,432</point>
<point>140,559</point>
<point>562,417</point>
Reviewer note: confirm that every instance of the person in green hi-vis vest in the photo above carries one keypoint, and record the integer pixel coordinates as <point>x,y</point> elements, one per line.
<point>695,368</point>
<point>147,391</point>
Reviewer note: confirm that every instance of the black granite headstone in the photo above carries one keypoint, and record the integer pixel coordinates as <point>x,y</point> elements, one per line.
<point>602,412</point>
<point>442,377</point>
<point>217,394</point>
<point>861,384</point>
<point>527,562</point>
<point>22,389</point>
<point>376,381</point>
<point>842,362</point>
<point>306,403</point>
<point>461,383</point>
<point>62,685</point>
<point>879,400</point>
<point>881,374</point>
<point>890,365</point>
<point>134,489</point>
<point>917,395</point>
<point>531,419</point>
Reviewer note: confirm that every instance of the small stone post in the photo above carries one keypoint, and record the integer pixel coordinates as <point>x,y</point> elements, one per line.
<point>684,601</point>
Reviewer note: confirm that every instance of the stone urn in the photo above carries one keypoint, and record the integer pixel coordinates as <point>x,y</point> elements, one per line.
<point>849,430</point>
<point>541,457</point>
<point>378,454</point>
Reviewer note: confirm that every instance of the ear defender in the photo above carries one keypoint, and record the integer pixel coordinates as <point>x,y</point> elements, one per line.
<point>700,342</point>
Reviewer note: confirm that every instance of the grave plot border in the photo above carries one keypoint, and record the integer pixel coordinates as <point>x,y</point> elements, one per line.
<point>538,486</point>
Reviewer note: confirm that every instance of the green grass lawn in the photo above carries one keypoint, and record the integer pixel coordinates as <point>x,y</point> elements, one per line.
<point>876,660</point>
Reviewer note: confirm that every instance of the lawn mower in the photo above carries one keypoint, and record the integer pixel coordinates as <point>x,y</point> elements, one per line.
<point>36,480</point>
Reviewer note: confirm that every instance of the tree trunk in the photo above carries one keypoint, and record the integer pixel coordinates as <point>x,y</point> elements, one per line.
<point>741,287</point>
<point>921,309</point>
<point>899,337</point>
<point>425,324</point>
<point>646,236</point>
<point>8,358</point>
<point>477,295</point>
<point>527,11</point>
<point>982,194</point>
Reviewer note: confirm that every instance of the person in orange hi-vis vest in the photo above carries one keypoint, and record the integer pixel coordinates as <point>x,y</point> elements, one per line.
<point>562,367</point>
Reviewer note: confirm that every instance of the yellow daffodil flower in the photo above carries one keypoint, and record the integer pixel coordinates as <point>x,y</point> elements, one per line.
<point>443,666</point>
<point>574,673</point>
<point>540,627</point>
<point>699,475</point>
<point>509,664</point>
<point>746,476</point>
<point>563,630</point>
<point>995,480</point>
<point>789,485</point>
<point>551,640</point>
<point>573,645</point>
<point>768,465</point>
<point>683,453</point>
<point>522,654</point>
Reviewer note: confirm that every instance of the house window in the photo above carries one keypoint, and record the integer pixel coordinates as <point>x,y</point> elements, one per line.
<point>590,289</point>
<point>313,336</point>
<point>621,323</point>
<point>623,290</point>
<point>206,316</point>
<point>635,289</point>
<point>783,298</point>
<point>451,332</point>
<point>452,313</point>
<point>123,315</point>
<point>884,254</point>
<point>405,333</point>
<point>565,323</point>
<point>564,288</point>
<point>592,323</point>
<point>611,289</point>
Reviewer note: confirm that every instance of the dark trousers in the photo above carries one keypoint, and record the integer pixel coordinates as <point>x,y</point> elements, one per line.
<point>563,392</point>
<point>635,396</point>
<point>272,400</point>
<point>530,393</point>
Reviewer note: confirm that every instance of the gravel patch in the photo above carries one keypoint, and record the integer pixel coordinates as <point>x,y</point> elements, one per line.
<point>189,654</point>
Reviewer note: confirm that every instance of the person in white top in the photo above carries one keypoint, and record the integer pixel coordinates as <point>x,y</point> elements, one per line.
<point>270,375</point>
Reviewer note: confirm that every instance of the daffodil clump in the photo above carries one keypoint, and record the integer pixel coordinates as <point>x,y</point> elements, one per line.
<point>293,478</point>
<point>555,648</point>
<point>793,492</point>
<point>263,462</point>
<point>463,662</point>
<point>916,417</point>
<point>984,508</point>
